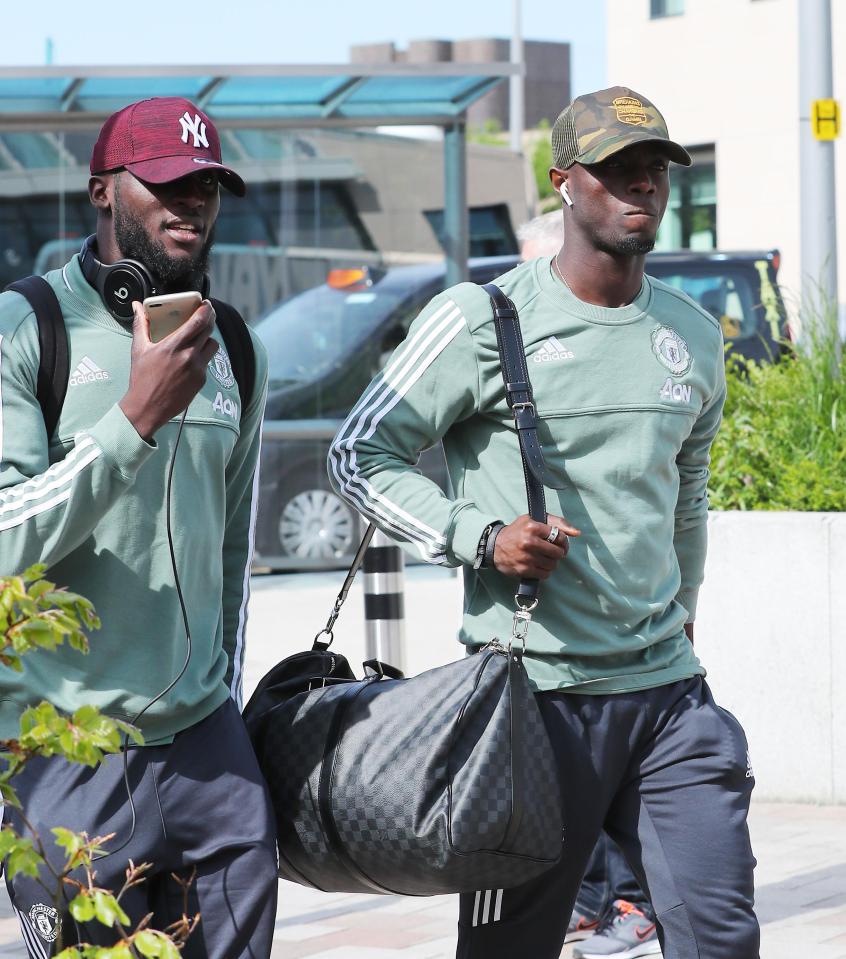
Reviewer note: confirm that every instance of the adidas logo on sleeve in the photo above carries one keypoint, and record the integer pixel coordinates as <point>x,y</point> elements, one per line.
<point>87,371</point>
<point>552,349</point>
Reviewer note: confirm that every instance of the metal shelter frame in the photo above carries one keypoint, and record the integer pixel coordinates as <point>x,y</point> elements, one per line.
<point>64,98</point>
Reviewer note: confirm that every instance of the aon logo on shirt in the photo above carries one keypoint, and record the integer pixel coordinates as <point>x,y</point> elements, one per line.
<point>675,392</point>
<point>225,405</point>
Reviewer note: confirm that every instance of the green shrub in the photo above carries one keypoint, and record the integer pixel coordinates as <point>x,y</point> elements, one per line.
<point>782,444</point>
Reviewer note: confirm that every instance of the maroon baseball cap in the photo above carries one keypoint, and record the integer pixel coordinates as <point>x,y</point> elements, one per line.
<point>160,140</point>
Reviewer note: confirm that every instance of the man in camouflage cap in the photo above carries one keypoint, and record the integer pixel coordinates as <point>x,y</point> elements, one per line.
<point>628,379</point>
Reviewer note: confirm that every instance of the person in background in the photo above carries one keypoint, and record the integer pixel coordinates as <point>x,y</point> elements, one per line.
<point>541,236</point>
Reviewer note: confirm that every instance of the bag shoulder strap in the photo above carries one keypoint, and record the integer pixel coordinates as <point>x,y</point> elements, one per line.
<point>239,346</point>
<point>520,399</point>
<point>53,365</point>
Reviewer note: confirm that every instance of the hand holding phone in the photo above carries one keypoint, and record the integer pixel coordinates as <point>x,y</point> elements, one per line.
<point>165,376</point>
<point>168,312</point>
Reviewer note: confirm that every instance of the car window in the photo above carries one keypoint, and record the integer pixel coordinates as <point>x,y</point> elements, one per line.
<point>730,296</point>
<point>313,333</point>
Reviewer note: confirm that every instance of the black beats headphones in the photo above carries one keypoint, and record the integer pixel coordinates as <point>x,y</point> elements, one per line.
<point>120,283</point>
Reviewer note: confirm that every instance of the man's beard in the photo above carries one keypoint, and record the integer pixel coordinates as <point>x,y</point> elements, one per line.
<point>626,245</point>
<point>175,274</point>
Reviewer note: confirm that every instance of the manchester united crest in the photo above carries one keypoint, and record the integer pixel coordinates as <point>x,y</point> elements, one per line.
<point>46,921</point>
<point>671,350</point>
<point>221,369</point>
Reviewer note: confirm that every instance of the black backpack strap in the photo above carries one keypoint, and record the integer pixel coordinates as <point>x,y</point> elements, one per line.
<point>239,346</point>
<point>53,367</point>
<point>520,399</point>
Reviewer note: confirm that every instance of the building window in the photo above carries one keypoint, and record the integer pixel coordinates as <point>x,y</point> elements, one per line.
<point>491,233</point>
<point>690,222</point>
<point>665,8</point>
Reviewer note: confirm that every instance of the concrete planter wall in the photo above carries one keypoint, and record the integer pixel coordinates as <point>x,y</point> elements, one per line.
<point>771,630</point>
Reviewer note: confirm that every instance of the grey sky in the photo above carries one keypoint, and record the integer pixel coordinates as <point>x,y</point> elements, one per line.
<point>282,31</point>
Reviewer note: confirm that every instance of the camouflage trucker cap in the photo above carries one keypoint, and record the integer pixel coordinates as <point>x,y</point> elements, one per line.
<point>597,125</point>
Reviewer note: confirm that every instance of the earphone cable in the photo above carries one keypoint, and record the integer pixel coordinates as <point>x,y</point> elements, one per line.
<point>182,671</point>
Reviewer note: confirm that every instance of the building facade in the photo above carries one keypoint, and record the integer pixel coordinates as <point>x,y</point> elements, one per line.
<point>725,73</point>
<point>547,82</point>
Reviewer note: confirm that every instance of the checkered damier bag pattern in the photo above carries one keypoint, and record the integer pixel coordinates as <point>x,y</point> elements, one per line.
<point>441,783</point>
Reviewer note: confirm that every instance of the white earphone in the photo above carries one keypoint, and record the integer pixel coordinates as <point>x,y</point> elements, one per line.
<point>565,195</point>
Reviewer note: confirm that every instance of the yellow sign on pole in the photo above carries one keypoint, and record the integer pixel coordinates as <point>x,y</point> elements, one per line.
<point>825,119</point>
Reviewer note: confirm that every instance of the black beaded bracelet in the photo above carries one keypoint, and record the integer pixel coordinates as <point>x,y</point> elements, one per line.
<point>488,561</point>
<point>485,549</point>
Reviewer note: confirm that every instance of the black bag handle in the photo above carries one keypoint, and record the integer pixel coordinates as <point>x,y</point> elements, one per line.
<point>520,399</point>
<point>53,367</point>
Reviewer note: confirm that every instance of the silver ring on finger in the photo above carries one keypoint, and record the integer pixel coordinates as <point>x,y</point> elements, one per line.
<point>552,535</point>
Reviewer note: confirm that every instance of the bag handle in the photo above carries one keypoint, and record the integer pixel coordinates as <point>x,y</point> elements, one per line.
<point>340,599</point>
<point>520,399</point>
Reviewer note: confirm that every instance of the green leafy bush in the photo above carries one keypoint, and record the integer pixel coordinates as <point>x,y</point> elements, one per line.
<point>782,444</point>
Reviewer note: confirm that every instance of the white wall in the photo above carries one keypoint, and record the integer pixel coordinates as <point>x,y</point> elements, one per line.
<point>771,631</point>
<point>726,72</point>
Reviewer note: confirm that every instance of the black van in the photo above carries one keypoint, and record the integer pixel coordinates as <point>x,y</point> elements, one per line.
<point>327,343</point>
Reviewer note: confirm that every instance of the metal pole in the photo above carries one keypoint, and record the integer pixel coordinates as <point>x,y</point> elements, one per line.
<point>816,164</point>
<point>516,96</point>
<point>456,217</point>
<point>384,601</point>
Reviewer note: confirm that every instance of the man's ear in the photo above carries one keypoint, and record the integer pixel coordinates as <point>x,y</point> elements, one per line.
<point>101,191</point>
<point>557,177</point>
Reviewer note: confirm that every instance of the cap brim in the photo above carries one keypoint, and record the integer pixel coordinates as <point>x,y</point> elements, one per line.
<point>166,169</point>
<point>675,151</point>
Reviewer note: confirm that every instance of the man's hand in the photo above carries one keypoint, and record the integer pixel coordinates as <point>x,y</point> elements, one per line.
<point>523,549</point>
<point>166,376</point>
<point>688,628</point>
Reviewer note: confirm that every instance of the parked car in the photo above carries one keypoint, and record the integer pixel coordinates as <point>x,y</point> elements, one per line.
<point>327,343</point>
<point>740,289</point>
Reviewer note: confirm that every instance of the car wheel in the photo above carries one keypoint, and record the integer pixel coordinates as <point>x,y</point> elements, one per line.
<point>316,524</point>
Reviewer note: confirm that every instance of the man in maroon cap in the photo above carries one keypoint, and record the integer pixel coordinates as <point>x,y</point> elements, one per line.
<point>150,514</point>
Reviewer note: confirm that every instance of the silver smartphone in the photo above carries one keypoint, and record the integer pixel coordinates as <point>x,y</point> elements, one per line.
<point>166,313</point>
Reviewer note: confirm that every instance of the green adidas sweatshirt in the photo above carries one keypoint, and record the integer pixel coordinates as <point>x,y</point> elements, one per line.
<point>629,402</point>
<point>92,506</point>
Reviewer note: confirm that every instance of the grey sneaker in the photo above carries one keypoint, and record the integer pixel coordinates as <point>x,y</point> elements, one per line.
<point>624,933</point>
<point>581,926</point>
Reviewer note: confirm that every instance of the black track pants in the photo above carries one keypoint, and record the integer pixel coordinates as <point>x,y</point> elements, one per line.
<point>666,771</point>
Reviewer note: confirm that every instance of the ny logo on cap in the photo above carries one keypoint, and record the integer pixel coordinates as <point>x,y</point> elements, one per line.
<point>194,127</point>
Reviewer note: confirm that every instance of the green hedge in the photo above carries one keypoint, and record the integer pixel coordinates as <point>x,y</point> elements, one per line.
<point>782,444</point>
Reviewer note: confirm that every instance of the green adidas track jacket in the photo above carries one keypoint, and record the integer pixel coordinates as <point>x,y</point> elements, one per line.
<point>92,506</point>
<point>629,401</point>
